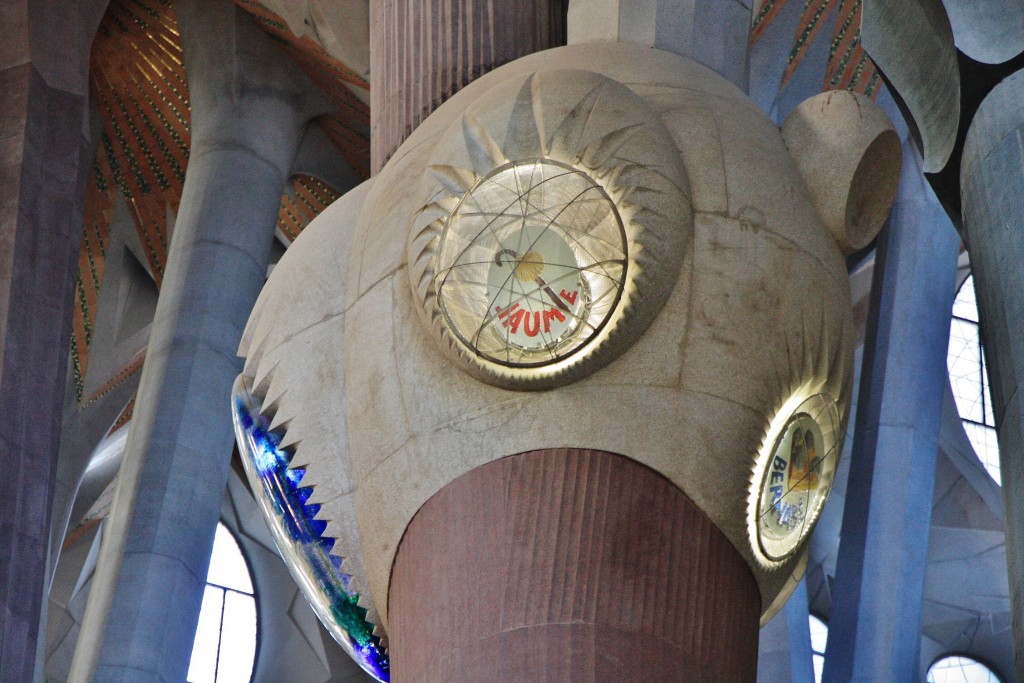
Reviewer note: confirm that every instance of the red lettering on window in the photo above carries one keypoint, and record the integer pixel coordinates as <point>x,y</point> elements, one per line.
<point>503,312</point>
<point>514,320</point>
<point>550,315</point>
<point>571,298</point>
<point>532,332</point>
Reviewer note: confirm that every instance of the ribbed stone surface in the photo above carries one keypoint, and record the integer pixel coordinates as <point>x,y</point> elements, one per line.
<point>569,565</point>
<point>423,51</point>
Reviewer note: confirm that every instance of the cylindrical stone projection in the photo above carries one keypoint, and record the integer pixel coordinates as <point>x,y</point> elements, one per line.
<point>566,564</point>
<point>423,51</point>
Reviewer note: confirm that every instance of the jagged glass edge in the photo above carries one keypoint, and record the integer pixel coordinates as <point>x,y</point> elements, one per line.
<point>299,535</point>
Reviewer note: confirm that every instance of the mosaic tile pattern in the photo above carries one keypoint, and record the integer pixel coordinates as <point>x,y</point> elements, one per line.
<point>299,535</point>
<point>849,67</point>
<point>311,196</point>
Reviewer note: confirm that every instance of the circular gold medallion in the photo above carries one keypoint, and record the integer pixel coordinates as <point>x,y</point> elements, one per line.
<point>798,474</point>
<point>551,234</point>
<point>531,263</point>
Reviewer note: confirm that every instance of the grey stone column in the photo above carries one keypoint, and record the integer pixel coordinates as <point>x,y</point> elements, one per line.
<point>992,189</point>
<point>45,156</point>
<point>875,624</point>
<point>784,649</point>
<point>715,33</point>
<point>249,108</point>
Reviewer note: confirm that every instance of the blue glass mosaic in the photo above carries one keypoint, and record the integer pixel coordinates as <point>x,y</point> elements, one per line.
<point>308,552</point>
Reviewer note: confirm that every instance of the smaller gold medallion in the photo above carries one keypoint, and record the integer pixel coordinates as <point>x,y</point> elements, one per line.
<point>798,473</point>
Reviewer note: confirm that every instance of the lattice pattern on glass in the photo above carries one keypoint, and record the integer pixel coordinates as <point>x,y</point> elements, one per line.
<point>961,670</point>
<point>968,377</point>
<point>224,649</point>
<point>531,263</point>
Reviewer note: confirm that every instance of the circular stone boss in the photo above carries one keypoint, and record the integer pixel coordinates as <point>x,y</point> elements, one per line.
<point>540,257</point>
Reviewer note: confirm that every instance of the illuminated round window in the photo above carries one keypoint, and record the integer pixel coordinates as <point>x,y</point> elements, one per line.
<point>961,670</point>
<point>796,476</point>
<point>531,263</point>
<point>550,235</point>
<point>224,649</point>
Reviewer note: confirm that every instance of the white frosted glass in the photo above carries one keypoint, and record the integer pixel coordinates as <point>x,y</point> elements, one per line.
<point>203,666</point>
<point>960,670</point>
<point>964,364</point>
<point>968,378</point>
<point>819,634</point>
<point>227,565</point>
<point>238,639</point>
<point>986,446</point>
<point>966,305</point>
<point>990,418</point>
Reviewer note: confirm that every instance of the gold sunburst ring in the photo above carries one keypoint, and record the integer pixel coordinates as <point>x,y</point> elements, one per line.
<point>793,475</point>
<point>554,232</point>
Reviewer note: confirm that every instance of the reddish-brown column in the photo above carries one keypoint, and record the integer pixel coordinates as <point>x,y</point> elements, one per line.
<point>569,565</point>
<point>423,51</point>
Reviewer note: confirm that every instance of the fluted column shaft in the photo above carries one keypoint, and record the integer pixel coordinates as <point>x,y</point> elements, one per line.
<point>569,565</point>
<point>423,51</point>
<point>715,34</point>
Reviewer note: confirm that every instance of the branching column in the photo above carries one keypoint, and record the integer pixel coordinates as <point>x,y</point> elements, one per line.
<point>875,625</point>
<point>249,108</point>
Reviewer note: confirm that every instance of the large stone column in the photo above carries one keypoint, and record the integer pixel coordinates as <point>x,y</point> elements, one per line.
<point>249,109</point>
<point>45,157</point>
<point>992,189</point>
<point>424,51</point>
<point>875,625</point>
<point>569,565</point>
<point>784,646</point>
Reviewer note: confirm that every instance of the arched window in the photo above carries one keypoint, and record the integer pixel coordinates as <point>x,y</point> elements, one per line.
<point>961,670</point>
<point>819,636</point>
<point>224,650</point>
<point>968,375</point>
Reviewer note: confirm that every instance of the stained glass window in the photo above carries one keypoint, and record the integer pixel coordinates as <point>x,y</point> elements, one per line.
<point>300,536</point>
